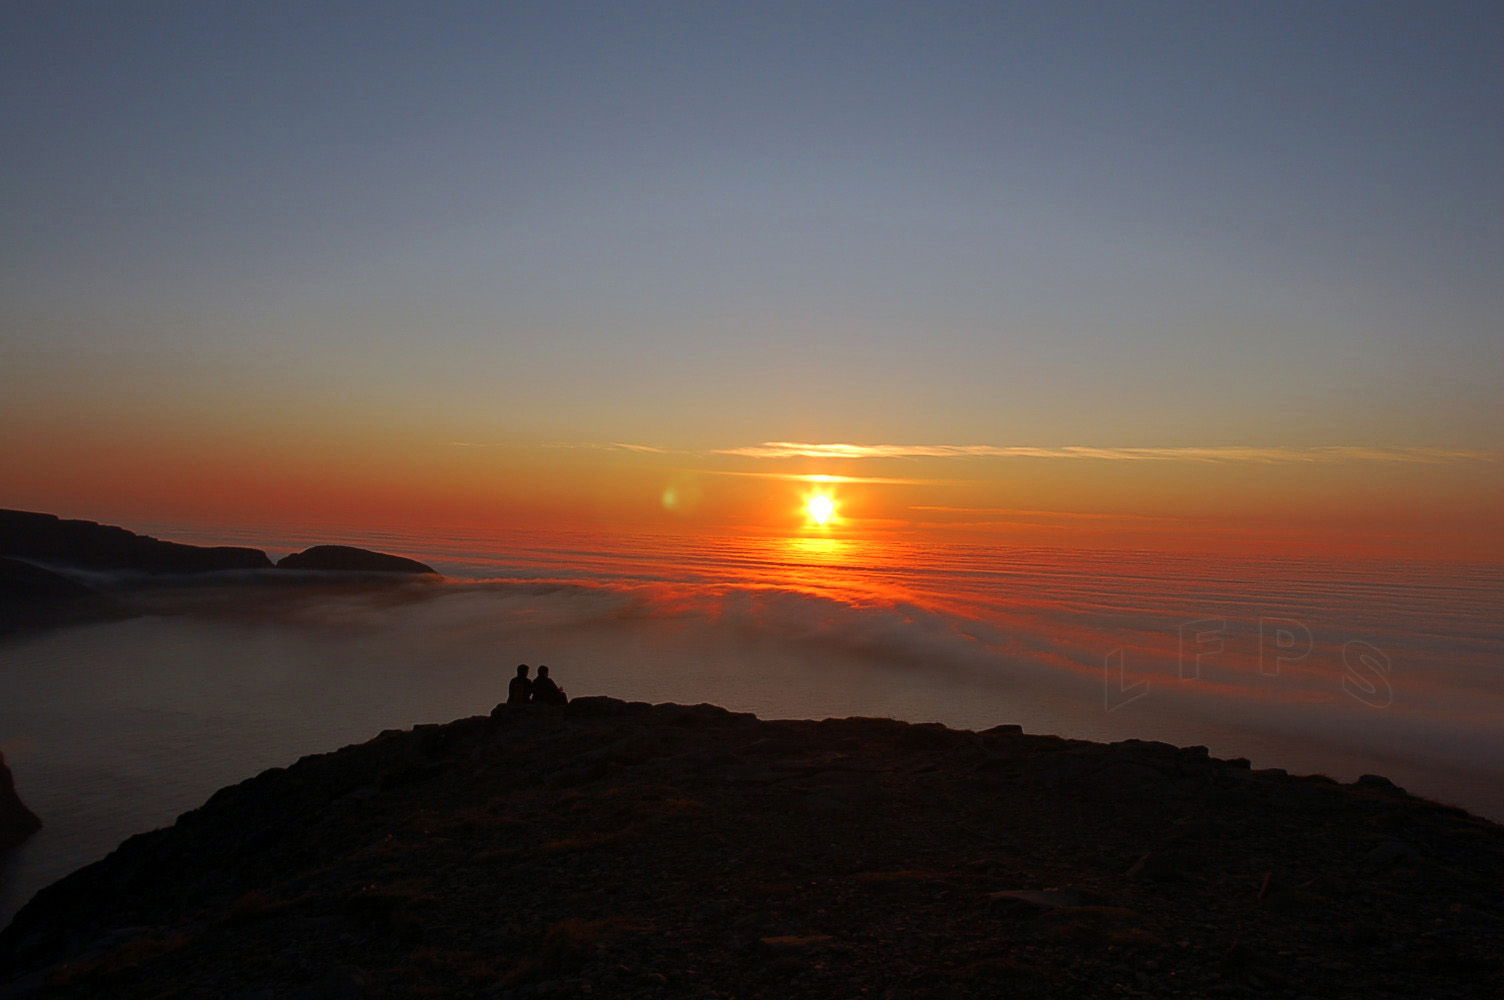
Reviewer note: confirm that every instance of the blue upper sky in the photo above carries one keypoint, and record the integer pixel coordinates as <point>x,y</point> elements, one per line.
<point>710,224</point>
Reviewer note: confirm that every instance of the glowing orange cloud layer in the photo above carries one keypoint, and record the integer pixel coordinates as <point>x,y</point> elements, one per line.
<point>374,469</point>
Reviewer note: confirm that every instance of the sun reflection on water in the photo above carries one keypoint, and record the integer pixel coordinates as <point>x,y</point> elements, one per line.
<point>821,549</point>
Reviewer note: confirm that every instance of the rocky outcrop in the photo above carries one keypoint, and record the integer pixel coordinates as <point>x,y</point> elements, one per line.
<point>21,581</point>
<point>347,558</point>
<point>16,821</point>
<point>34,598</point>
<point>49,539</point>
<point>619,849</point>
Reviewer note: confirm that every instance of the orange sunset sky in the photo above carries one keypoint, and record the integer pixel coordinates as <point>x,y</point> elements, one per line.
<point>384,474</point>
<point>1152,276</point>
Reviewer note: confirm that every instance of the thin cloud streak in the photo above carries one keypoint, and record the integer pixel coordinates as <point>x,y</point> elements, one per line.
<point>806,477</point>
<point>1332,453</point>
<point>848,451</point>
<point>583,445</point>
<point>646,449</point>
<point>1042,514</point>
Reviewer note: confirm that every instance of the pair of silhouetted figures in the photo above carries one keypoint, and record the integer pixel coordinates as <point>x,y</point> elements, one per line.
<point>542,691</point>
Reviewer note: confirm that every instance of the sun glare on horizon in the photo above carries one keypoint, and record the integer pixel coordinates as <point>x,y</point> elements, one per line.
<point>819,508</point>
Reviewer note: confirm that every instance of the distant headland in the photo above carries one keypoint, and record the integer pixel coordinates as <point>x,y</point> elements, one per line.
<point>49,539</point>
<point>46,562</point>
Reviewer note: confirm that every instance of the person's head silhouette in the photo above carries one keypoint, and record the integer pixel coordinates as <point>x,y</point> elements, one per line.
<point>522,670</point>
<point>542,671</point>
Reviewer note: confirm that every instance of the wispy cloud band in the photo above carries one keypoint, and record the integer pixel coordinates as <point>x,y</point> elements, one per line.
<point>1049,515</point>
<point>818,478</point>
<point>1215,454</point>
<point>1330,453</point>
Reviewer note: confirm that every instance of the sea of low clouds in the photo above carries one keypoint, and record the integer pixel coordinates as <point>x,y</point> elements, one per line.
<point>119,726</point>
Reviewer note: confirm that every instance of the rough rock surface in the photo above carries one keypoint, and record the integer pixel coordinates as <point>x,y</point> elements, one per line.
<point>16,821</point>
<point>608,849</point>
<point>347,558</point>
<point>47,538</point>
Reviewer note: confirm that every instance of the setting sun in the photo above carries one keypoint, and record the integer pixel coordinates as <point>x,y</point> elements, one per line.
<point>819,508</point>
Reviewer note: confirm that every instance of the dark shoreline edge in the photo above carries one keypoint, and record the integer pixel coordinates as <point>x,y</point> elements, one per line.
<point>16,821</point>
<point>56,572</point>
<point>450,857</point>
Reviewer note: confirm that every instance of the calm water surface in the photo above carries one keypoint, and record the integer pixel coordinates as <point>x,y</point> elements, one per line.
<point>1337,667</point>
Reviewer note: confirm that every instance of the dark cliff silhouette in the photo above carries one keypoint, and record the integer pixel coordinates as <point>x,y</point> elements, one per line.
<point>32,597</point>
<point>50,539</point>
<point>16,821</point>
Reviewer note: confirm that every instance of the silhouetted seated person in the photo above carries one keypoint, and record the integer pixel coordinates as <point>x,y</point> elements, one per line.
<point>546,692</point>
<point>520,691</point>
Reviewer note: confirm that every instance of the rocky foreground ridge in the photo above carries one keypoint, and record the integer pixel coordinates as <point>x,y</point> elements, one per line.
<point>610,849</point>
